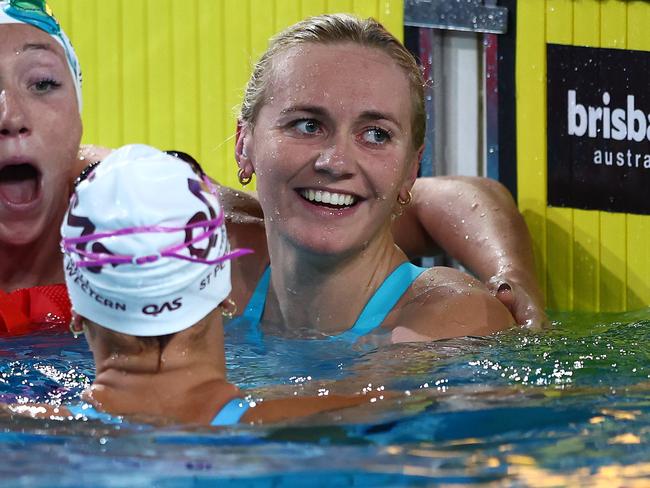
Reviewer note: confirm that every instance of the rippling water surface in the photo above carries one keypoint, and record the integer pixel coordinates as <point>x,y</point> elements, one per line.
<point>568,406</point>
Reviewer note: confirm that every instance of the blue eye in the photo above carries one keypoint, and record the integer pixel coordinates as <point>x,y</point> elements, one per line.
<point>45,85</point>
<point>376,135</point>
<point>307,126</point>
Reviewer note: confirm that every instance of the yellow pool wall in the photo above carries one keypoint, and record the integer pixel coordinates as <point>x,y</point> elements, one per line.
<point>171,73</point>
<point>586,260</point>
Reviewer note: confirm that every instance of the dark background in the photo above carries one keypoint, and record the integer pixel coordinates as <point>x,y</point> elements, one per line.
<point>573,179</point>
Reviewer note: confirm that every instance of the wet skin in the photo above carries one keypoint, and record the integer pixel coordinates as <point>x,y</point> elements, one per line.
<point>40,132</point>
<point>323,132</point>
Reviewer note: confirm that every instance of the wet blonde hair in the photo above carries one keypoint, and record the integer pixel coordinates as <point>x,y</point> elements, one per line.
<point>337,29</point>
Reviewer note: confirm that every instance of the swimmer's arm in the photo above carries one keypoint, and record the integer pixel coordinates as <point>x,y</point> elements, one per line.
<point>457,306</point>
<point>476,221</point>
<point>283,409</point>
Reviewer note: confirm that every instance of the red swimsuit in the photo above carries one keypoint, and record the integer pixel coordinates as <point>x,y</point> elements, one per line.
<point>34,309</point>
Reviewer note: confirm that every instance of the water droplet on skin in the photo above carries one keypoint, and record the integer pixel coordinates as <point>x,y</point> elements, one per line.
<point>474,206</point>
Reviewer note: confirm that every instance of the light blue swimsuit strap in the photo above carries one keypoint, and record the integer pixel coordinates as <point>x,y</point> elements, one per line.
<point>255,307</point>
<point>88,411</point>
<point>383,301</point>
<point>372,315</point>
<point>231,413</point>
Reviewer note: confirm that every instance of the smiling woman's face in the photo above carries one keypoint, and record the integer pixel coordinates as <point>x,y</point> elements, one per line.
<point>332,146</point>
<point>40,131</point>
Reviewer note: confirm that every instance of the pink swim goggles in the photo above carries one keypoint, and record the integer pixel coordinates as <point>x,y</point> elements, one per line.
<point>212,227</point>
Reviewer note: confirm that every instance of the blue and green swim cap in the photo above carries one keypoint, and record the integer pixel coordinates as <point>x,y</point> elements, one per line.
<point>39,14</point>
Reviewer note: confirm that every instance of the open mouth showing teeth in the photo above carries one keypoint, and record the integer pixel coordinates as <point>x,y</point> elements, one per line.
<point>19,183</point>
<point>328,199</point>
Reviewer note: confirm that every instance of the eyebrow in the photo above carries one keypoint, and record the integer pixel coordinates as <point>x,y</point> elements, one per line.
<point>36,47</point>
<point>43,47</point>
<point>376,115</point>
<point>313,109</point>
<point>366,115</point>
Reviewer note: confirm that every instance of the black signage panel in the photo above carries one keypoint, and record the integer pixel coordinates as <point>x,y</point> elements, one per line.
<point>598,125</point>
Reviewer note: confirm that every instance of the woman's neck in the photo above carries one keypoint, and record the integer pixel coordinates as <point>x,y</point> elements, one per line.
<point>36,263</point>
<point>190,394</point>
<point>185,380</point>
<point>324,294</point>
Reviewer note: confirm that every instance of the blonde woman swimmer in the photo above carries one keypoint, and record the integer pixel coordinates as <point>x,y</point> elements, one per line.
<point>332,127</point>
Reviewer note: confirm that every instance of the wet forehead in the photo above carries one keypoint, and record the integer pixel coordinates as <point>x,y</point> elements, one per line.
<point>22,39</point>
<point>341,75</point>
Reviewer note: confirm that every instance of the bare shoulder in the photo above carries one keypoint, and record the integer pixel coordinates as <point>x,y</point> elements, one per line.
<point>443,303</point>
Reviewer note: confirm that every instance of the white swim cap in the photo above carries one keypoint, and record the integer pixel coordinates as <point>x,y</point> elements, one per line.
<point>38,13</point>
<point>145,246</point>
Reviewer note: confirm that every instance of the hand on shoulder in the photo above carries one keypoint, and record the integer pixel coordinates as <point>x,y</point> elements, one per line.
<point>522,299</point>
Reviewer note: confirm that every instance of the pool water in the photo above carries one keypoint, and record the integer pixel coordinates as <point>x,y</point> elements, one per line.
<point>568,406</point>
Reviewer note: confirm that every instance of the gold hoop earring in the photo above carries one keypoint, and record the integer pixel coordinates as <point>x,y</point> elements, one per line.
<point>74,327</point>
<point>243,179</point>
<point>228,308</point>
<point>406,200</point>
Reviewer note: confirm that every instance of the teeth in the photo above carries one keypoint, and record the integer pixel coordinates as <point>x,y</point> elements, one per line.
<point>337,199</point>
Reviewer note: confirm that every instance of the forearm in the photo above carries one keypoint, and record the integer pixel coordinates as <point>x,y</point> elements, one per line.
<point>471,218</point>
<point>283,409</point>
<point>475,220</point>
